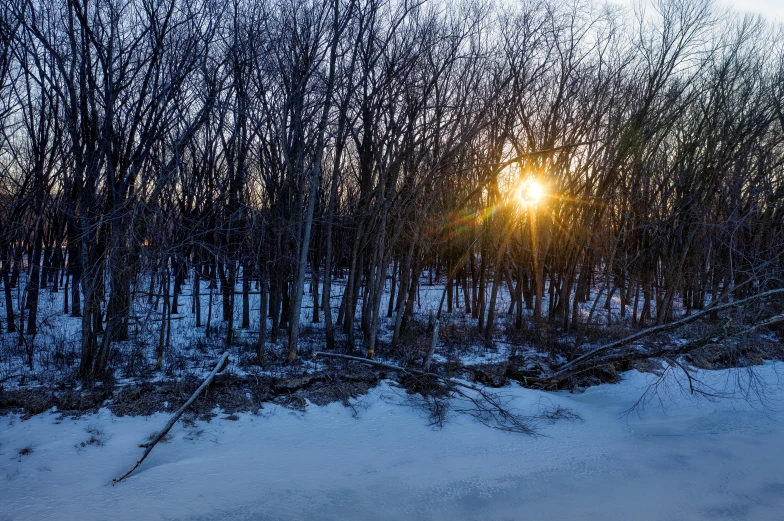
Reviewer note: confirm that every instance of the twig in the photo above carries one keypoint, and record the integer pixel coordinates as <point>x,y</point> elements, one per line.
<point>686,372</point>
<point>173,420</point>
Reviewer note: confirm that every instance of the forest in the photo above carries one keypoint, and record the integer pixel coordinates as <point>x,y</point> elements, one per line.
<point>391,259</point>
<point>284,177</point>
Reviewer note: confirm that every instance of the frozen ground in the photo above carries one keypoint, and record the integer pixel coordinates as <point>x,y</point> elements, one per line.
<point>695,460</point>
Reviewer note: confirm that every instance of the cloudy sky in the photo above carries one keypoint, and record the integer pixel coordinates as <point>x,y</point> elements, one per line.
<point>770,8</point>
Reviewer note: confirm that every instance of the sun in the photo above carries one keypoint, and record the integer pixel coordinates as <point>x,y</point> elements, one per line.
<point>530,193</point>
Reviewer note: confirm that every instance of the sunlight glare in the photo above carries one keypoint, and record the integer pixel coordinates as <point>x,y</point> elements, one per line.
<point>530,193</point>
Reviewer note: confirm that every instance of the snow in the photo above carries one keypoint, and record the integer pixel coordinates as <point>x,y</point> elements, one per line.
<point>680,457</point>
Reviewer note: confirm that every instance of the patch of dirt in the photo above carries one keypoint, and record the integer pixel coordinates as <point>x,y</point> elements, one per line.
<point>227,393</point>
<point>426,385</point>
<point>491,375</point>
<point>607,373</point>
<point>32,401</point>
<point>742,353</point>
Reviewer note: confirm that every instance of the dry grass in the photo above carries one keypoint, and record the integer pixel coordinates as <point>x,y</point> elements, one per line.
<point>25,451</point>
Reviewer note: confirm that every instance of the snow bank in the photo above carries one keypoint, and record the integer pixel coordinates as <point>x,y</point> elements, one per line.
<point>696,459</point>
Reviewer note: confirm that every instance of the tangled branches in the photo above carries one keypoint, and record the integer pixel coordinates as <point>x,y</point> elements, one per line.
<point>438,394</point>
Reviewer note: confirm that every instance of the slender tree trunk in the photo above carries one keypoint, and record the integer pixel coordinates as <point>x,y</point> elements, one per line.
<point>9,303</point>
<point>246,296</point>
<point>165,313</point>
<point>263,312</point>
<point>33,283</point>
<point>197,295</point>
<point>392,289</point>
<point>497,279</point>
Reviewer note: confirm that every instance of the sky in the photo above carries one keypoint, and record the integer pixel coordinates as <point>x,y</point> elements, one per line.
<point>770,8</point>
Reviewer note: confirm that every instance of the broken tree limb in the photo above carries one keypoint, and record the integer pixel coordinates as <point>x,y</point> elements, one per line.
<point>693,345</point>
<point>610,357</point>
<point>575,365</point>
<point>158,437</point>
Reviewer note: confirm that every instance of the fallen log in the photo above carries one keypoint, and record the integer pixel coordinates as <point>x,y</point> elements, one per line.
<point>160,435</point>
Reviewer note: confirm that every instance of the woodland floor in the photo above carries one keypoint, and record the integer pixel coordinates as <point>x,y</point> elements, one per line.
<point>135,388</point>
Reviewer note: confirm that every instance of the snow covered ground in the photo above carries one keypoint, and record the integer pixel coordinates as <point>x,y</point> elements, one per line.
<point>56,346</point>
<point>696,459</point>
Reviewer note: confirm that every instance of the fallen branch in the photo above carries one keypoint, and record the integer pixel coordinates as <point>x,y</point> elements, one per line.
<point>368,361</point>
<point>576,365</point>
<point>664,352</point>
<point>10,377</point>
<point>158,437</point>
